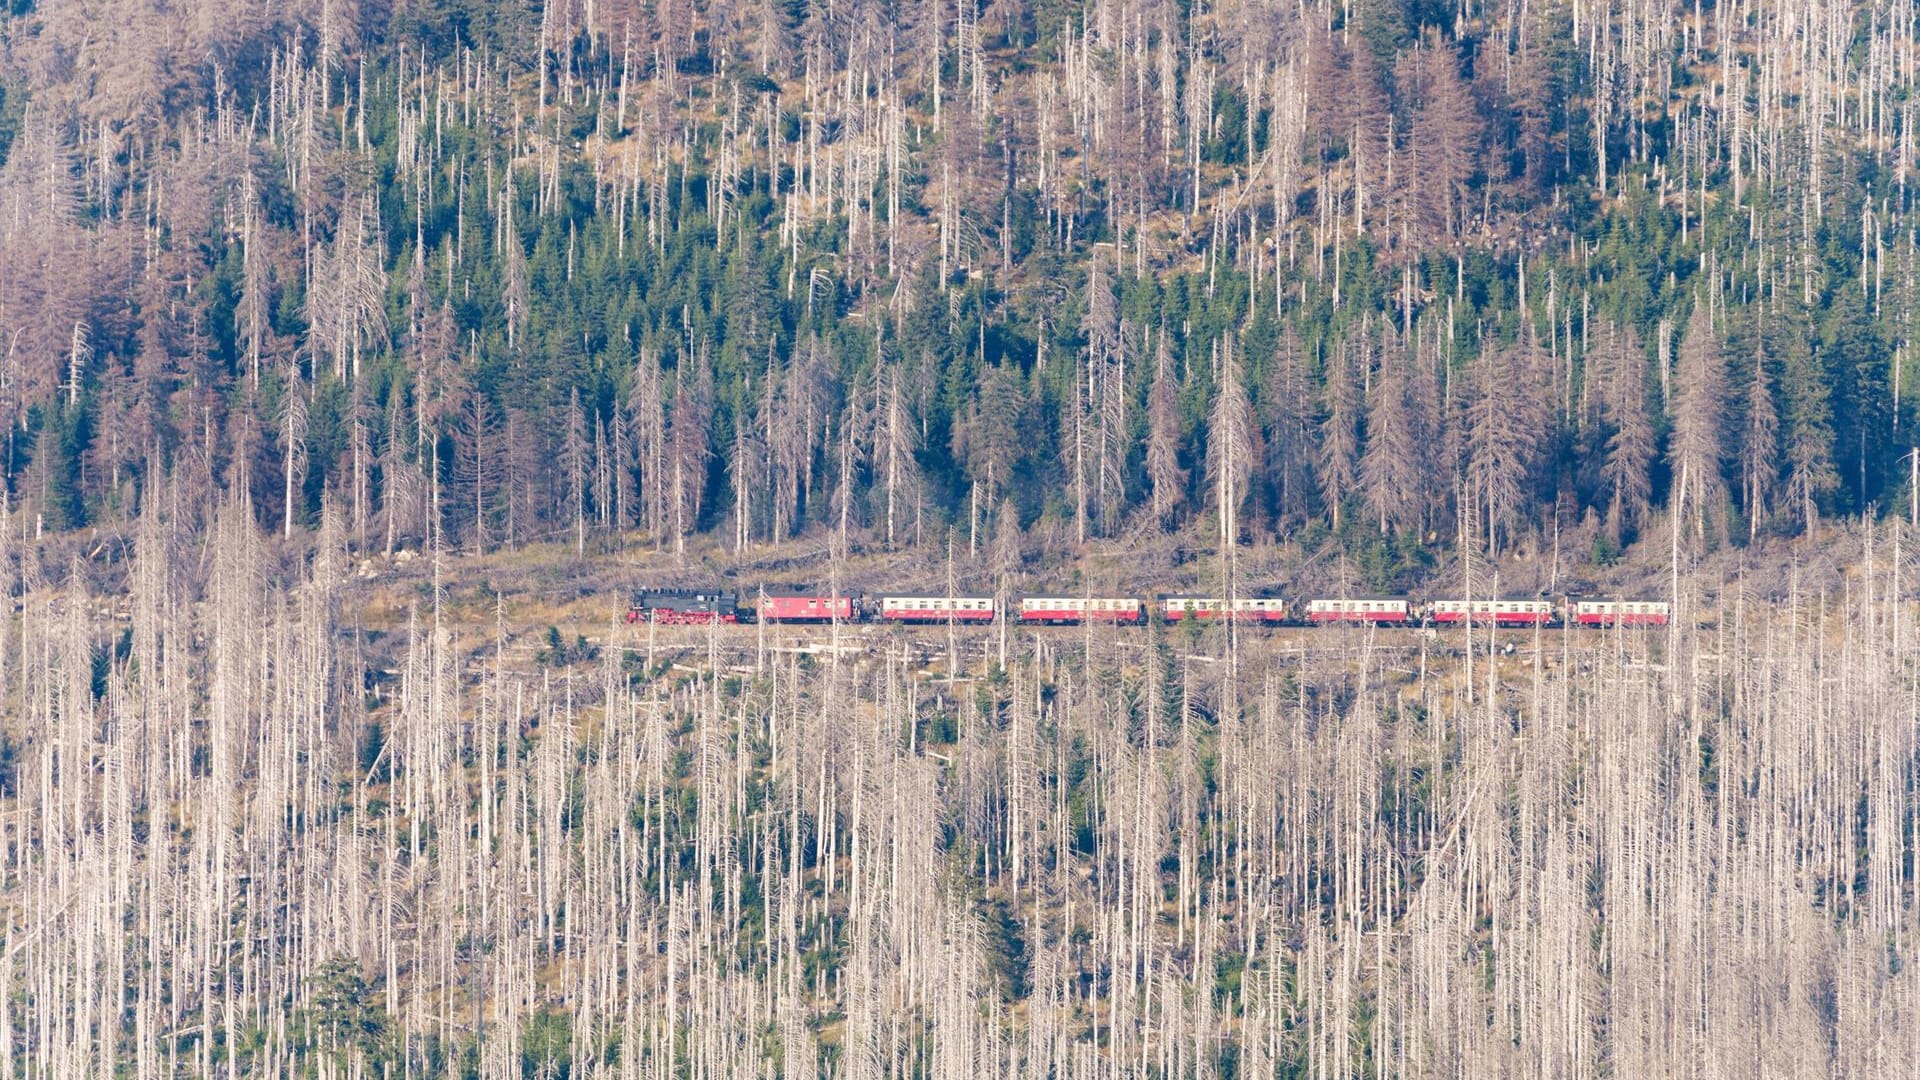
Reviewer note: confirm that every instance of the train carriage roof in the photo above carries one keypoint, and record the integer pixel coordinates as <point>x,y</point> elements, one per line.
<point>1271,593</point>
<point>787,590</point>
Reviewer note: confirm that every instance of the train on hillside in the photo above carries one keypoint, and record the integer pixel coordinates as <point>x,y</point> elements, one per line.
<point>682,607</point>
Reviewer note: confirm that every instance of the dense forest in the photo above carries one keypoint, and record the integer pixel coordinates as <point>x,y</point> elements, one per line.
<point>1401,273</point>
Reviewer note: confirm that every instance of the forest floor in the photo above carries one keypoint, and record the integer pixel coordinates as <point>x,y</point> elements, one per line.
<point>544,607</point>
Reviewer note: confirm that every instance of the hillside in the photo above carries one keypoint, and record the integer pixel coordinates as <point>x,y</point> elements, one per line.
<point>1383,277</point>
<point>359,357</point>
<point>322,817</point>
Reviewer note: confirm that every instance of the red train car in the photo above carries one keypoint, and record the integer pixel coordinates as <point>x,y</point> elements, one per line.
<point>807,608</point>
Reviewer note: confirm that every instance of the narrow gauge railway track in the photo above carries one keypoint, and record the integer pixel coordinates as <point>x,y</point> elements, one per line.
<point>929,643</point>
<point>965,649</point>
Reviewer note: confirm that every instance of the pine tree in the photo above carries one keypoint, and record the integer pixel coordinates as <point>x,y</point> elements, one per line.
<point>1348,367</point>
<point>1287,400</point>
<point>896,439</point>
<point>689,448</point>
<point>1448,129</point>
<point>1504,426</point>
<point>1695,449</point>
<point>1625,469</point>
<point>1165,476</point>
<point>1391,476</point>
<point>1759,444</point>
<point>647,414</point>
<point>477,466</point>
<point>1368,136</point>
<point>1811,475</point>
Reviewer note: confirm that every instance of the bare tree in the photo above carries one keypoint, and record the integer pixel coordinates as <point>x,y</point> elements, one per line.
<point>477,467</point>
<point>251,314</point>
<point>1350,365</point>
<point>647,413</point>
<point>895,441</point>
<point>688,450</point>
<point>1230,445</point>
<point>1696,447</point>
<point>347,301</point>
<point>293,448</point>
<point>403,485</point>
<point>1617,372</point>
<point>746,464</point>
<point>1759,445</point>
<point>1078,438</point>
<point>1164,472</point>
<point>1503,432</point>
<point>1448,127</point>
<point>1391,474</point>
<point>575,468</point>
<point>1107,405</point>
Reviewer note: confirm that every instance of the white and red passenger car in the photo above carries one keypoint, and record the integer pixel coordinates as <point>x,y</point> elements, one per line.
<point>1497,612</point>
<point>925,609</point>
<point>1069,610</point>
<point>1619,612</point>
<point>1379,610</point>
<point>1254,609</point>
